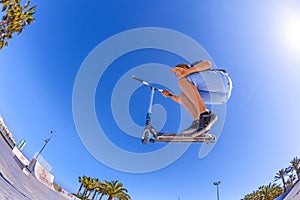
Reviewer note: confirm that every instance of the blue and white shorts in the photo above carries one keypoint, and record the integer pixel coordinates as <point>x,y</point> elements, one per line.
<point>214,85</point>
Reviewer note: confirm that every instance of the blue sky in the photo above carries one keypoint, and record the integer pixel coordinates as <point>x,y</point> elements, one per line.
<point>257,42</point>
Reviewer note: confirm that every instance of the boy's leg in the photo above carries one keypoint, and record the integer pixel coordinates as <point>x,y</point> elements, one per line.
<point>206,118</point>
<point>193,95</point>
<point>189,106</point>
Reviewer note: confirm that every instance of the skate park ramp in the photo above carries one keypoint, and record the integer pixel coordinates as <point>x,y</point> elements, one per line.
<point>292,194</point>
<point>16,185</point>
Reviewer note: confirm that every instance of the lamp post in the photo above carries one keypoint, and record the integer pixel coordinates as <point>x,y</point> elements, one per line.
<point>32,163</point>
<point>217,183</point>
<point>46,142</point>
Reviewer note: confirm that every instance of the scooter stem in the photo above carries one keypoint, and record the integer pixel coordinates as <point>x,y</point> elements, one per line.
<point>148,117</point>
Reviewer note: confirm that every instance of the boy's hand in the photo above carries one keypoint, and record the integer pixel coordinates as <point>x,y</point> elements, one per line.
<point>180,72</point>
<point>166,93</point>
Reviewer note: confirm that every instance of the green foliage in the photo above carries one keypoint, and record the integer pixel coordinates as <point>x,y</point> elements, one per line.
<point>16,17</point>
<point>280,175</point>
<point>114,189</point>
<point>295,166</point>
<point>287,176</point>
<point>268,192</point>
<point>92,186</point>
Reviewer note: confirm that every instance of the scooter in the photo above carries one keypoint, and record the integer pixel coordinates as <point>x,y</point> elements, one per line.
<point>152,135</point>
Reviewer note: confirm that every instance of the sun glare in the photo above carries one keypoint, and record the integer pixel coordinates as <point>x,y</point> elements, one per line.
<point>291,31</point>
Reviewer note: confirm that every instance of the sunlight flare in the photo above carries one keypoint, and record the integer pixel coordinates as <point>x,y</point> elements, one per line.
<point>291,31</point>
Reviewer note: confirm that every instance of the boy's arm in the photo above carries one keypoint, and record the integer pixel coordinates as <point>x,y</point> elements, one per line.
<point>201,66</point>
<point>181,73</point>
<point>167,93</point>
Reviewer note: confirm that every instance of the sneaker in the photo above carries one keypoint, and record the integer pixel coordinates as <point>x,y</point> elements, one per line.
<point>192,129</point>
<point>206,121</point>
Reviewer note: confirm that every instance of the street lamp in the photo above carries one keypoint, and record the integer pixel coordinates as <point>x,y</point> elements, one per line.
<point>32,163</point>
<point>46,142</point>
<point>217,183</point>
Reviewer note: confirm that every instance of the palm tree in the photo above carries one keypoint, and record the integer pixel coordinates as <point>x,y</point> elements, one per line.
<point>123,196</point>
<point>99,189</point>
<point>102,194</point>
<point>285,175</point>
<point>265,192</point>
<point>255,195</point>
<point>96,189</point>
<point>114,189</point>
<point>280,175</point>
<point>290,181</point>
<point>15,19</point>
<point>86,182</point>
<point>269,192</point>
<point>80,180</point>
<point>295,165</point>
<point>91,186</point>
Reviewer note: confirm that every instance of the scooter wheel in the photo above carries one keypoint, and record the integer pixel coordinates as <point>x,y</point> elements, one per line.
<point>145,137</point>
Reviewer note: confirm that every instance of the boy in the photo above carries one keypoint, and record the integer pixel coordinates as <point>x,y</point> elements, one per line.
<point>200,85</point>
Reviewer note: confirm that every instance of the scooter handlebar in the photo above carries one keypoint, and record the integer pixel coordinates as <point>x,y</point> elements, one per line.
<point>146,83</point>
<point>138,79</point>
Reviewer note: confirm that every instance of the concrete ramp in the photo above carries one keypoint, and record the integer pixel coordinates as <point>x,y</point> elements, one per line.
<point>43,175</point>
<point>294,194</point>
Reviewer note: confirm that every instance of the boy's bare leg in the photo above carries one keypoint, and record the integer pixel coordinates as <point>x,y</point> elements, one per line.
<point>189,106</point>
<point>189,98</point>
<point>192,93</point>
<point>205,118</point>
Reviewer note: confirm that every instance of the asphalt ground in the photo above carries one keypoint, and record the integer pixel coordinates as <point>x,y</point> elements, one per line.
<point>16,185</point>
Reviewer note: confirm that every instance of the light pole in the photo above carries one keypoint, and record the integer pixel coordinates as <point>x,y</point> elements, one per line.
<point>46,142</point>
<point>32,163</point>
<point>217,183</point>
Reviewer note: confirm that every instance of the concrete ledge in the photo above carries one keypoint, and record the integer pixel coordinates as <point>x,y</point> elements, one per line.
<point>25,171</point>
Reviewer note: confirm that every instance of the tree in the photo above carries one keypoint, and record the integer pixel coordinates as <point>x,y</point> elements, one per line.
<point>91,186</point>
<point>114,189</point>
<point>86,183</point>
<point>16,17</point>
<point>295,165</point>
<point>265,192</point>
<point>280,175</point>
<point>96,188</point>
<point>268,192</point>
<point>255,195</point>
<point>288,176</point>
<point>80,180</point>
<point>290,181</point>
<point>277,191</point>
<point>123,196</point>
<point>100,189</point>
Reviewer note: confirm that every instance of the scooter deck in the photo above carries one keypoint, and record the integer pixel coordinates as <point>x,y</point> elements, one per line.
<point>208,138</point>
